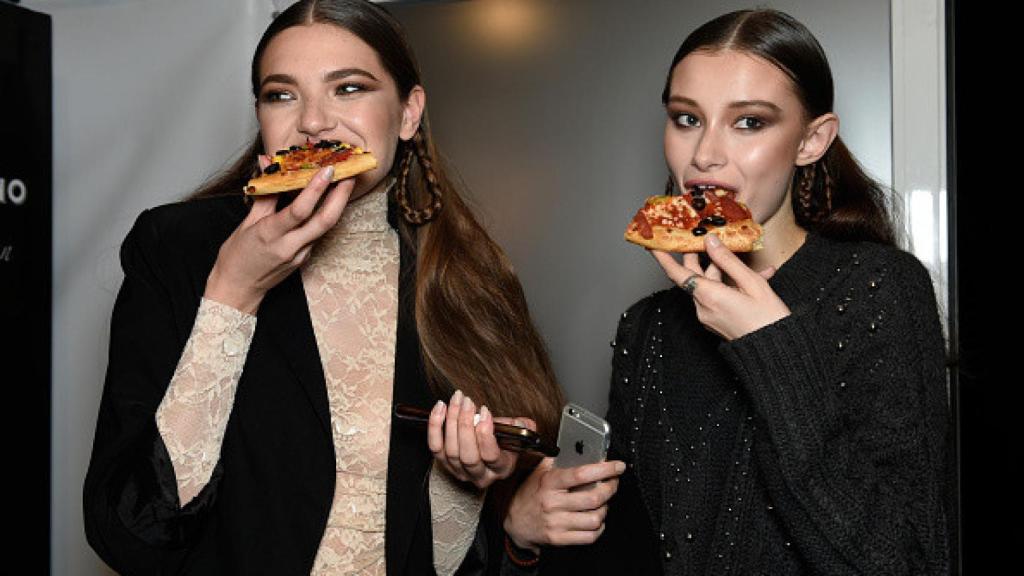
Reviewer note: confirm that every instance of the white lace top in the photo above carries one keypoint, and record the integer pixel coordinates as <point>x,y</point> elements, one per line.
<point>351,285</point>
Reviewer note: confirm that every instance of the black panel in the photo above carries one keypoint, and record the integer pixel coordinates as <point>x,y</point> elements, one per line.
<point>25,279</point>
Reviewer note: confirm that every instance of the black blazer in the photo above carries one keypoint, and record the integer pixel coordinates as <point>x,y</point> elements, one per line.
<point>265,508</point>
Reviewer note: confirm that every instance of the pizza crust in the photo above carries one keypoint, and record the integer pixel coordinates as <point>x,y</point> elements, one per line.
<point>298,179</point>
<point>739,236</point>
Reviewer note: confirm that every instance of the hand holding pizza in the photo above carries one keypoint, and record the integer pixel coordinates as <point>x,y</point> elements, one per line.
<point>268,245</point>
<point>731,311</point>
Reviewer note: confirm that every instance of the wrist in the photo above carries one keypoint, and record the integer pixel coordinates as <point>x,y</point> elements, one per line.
<point>522,557</point>
<point>511,534</point>
<point>220,290</point>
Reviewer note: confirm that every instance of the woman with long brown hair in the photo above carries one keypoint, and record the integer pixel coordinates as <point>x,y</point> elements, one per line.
<point>783,411</point>
<point>258,349</point>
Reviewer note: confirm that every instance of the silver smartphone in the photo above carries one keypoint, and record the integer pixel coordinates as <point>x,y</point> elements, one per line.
<point>583,437</point>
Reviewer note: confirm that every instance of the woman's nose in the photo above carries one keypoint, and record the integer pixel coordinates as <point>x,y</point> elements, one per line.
<point>314,118</point>
<point>709,153</point>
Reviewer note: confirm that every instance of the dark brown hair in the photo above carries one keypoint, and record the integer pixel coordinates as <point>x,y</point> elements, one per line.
<point>474,326</point>
<point>836,198</point>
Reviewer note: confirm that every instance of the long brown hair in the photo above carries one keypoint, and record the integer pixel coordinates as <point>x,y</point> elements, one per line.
<point>834,196</point>
<point>474,326</point>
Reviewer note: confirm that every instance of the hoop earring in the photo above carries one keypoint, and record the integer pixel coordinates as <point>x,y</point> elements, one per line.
<point>418,216</point>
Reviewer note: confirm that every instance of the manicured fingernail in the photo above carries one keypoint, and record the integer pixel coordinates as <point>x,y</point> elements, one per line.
<point>485,414</point>
<point>476,419</point>
<point>327,173</point>
<point>456,398</point>
<point>713,241</point>
<point>620,467</point>
<point>467,403</point>
<point>437,408</point>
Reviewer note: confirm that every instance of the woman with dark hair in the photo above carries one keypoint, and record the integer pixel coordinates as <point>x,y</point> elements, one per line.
<point>258,348</point>
<point>784,411</point>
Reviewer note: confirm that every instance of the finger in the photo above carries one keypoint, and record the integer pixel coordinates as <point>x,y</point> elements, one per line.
<point>302,255</point>
<point>589,520</point>
<point>263,160</point>
<point>451,427</point>
<point>713,272</point>
<point>262,206</point>
<point>565,478</point>
<point>325,216</point>
<point>676,272</point>
<point>592,498</point>
<point>730,264</point>
<point>546,464</point>
<point>301,208</point>
<point>767,273</point>
<point>435,428</point>
<point>469,454</point>
<point>490,452</point>
<point>692,262</point>
<point>579,537</point>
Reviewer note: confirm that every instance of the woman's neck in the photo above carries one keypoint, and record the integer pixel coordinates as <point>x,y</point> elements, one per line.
<point>782,238</point>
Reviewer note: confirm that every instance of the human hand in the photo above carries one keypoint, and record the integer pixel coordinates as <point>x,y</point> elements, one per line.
<point>268,245</point>
<point>729,311</point>
<point>546,511</point>
<point>466,449</point>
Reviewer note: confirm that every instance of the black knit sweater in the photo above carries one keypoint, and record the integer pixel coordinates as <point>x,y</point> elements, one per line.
<point>815,445</point>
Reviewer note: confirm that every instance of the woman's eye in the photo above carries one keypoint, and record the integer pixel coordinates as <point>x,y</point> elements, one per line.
<point>687,120</point>
<point>277,96</point>
<point>749,123</point>
<point>350,88</point>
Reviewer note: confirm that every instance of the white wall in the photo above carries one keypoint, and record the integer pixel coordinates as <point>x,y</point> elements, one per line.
<point>152,96</point>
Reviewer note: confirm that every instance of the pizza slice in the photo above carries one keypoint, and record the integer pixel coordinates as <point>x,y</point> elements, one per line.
<point>679,223</point>
<point>294,168</point>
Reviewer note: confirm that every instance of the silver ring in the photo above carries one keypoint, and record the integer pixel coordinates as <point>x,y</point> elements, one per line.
<point>690,284</point>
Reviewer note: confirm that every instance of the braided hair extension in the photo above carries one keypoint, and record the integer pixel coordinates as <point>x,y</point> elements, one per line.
<point>418,216</point>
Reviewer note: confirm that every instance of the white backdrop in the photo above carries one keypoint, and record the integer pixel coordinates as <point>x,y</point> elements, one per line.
<point>146,104</point>
<point>152,96</point>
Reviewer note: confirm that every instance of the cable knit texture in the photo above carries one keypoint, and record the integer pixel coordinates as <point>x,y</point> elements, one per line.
<point>814,445</point>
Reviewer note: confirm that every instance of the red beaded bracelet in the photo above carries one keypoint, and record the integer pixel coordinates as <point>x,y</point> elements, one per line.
<point>511,548</point>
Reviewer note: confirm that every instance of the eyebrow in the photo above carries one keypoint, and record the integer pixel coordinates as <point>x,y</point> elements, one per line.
<point>329,77</point>
<point>736,104</point>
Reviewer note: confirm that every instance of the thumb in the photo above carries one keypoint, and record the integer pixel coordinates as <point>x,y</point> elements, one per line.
<point>540,472</point>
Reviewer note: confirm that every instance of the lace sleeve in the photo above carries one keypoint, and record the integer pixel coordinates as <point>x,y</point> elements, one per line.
<point>194,412</point>
<point>454,514</point>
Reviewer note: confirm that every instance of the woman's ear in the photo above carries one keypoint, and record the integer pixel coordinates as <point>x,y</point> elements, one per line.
<point>412,112</point>
<point>820,134</point>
